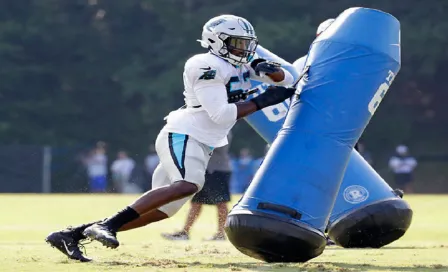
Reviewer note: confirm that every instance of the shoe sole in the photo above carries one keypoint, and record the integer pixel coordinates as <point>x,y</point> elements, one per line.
<point>107,242</point>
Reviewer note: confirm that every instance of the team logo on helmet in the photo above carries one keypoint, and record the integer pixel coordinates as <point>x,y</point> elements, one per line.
<point>214,24</point>
<point>246,26</point>
<point>355,194</point>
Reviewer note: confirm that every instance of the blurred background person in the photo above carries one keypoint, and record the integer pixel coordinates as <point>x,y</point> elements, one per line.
<point>361,148</point>
<point>215,192</point>
<point>402,164</point>
<point>121,170</point>
<point>151,162</point>
<point>96,164</point>
<point>242,171</point>
<point>257,162</point>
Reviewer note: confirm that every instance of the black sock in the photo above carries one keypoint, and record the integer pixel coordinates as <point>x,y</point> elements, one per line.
<point>121,218</point>
<point>77,231</point>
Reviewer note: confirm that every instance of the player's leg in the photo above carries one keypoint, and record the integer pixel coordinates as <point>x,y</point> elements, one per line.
<point>196,206</point>
<point>98,184</point>
<point>137,214</point>
<point>184,160</point>
<point>159,179</point>
<point>222,216</point>
<point>145,219</point>
<point>215,192</point>
<point>220,196</point>
<point>68,240</point>
<point>184,234</point>
<point>407,183</point>
<point>105,231</point>
<point>155,215</point>
<point>402,181</point>
<point>193,214</point>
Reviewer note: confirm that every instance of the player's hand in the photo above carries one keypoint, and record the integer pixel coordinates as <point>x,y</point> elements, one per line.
<point>272,96</point>
<point>264,66</point>
<point>236,96</point>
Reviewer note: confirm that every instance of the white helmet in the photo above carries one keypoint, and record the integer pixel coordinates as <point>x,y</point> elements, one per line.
<point>323,26</point>
<point>231,38</point>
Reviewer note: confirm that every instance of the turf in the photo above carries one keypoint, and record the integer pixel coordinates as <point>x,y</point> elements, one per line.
<point>26,219</point>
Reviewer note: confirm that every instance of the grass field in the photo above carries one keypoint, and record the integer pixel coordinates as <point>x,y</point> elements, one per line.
<point>25,220</point>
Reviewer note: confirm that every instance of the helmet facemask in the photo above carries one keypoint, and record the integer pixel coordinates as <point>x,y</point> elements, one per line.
<point>238,49</point>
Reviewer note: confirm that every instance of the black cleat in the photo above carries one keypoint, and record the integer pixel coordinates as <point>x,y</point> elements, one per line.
<point>102,234</point>
<point>64,242</point>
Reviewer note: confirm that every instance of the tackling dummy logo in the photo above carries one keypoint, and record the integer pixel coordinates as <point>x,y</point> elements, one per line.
<point>355,194</point>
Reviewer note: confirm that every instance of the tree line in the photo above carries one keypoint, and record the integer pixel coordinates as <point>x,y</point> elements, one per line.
<point>80,71</point>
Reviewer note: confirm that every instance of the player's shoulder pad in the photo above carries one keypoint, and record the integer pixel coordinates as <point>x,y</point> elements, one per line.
<point>207,66</point>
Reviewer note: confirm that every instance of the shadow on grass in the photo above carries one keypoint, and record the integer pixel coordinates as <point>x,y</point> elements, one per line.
<point>367,267</point>
<point>384,248</point>
<point>283,267</point>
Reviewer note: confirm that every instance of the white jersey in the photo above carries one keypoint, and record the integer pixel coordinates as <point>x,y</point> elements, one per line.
<point>299,64</point>
<point>402,165</point>
<point>208,80</point>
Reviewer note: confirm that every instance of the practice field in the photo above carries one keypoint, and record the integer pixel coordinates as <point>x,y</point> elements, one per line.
<point>25,221</point>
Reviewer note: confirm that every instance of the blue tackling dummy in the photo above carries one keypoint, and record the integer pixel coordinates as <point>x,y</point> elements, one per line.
<point>285,211</point>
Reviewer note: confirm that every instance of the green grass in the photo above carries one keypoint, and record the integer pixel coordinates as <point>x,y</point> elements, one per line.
<point>25,220</point>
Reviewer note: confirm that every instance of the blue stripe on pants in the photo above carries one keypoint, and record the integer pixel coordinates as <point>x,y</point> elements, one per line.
<point>178,146</point>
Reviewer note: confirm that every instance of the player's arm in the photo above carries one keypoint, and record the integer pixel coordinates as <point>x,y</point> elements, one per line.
<point>210,90</point>
<point>270,72</point>
<point>213,97</point>
<point>211,93</point>
<point>214,101</point>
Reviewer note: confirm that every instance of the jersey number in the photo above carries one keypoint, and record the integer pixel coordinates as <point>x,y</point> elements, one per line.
<point>234,80</point>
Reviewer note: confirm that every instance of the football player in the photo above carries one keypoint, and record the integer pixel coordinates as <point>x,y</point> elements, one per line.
<point>214,83</point>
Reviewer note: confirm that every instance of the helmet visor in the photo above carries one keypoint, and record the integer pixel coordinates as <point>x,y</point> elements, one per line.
<point>241,46</point>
